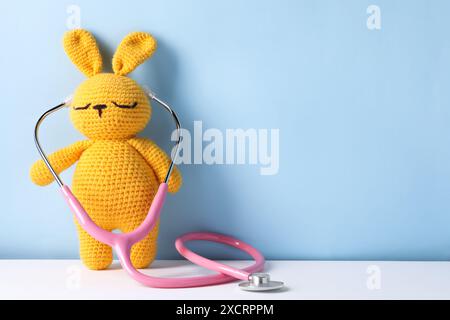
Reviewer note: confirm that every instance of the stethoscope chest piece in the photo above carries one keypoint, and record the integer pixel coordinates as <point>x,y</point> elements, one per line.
<point>260,282</point>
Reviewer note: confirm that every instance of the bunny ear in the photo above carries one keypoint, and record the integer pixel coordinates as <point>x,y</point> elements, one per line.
<point>82,49</point>
<point>134,49</point>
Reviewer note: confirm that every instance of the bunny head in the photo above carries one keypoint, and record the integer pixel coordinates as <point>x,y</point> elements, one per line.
<point>109,105</point>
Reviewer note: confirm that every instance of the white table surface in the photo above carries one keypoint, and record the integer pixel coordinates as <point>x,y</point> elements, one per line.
<point>69,279</point>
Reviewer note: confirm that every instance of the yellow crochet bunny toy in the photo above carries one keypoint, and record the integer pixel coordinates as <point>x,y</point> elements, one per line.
<point>117,174</point>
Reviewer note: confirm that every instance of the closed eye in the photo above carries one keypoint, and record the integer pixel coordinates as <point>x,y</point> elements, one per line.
<point>82,108</point>
<point>125,106</point>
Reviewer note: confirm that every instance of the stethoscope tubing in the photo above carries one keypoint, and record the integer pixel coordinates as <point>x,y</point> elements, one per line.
<point>122,243</point>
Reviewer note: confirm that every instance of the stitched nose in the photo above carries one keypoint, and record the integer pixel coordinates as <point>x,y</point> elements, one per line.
<point>99,108</point>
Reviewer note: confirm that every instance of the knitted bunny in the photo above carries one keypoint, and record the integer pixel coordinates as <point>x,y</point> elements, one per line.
<point>117,174</point>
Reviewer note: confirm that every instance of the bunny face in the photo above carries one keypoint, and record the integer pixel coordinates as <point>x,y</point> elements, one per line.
<point>109,105</point>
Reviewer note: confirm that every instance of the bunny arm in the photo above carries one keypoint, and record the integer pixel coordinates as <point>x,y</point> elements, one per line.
<point>60,160</point>
<point>158,161</point>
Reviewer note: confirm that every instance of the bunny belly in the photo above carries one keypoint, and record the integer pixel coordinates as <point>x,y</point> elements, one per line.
<point>114,184</point>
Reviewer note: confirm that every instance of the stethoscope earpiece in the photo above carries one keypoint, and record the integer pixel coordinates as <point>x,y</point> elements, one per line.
<point>68,100</point>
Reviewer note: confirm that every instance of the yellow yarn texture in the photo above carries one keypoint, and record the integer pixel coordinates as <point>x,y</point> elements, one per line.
<point>134,49</point>
<point>117,174</point>
<point>82,49</point>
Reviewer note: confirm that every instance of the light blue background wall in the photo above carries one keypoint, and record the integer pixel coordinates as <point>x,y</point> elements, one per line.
<point>364,119</point>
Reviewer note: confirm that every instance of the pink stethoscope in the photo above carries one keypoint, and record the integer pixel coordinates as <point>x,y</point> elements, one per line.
<point>254,280</point>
